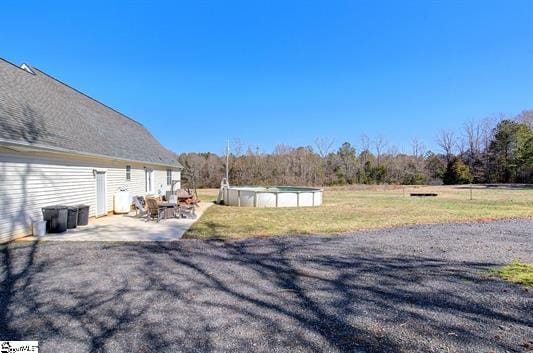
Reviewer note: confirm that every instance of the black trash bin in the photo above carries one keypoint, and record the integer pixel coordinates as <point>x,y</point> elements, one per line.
<point>56,218</point>
<point>72,218</point>
<point>83,215</point>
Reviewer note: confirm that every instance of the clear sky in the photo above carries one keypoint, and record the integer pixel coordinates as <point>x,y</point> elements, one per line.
<point>268,72</point>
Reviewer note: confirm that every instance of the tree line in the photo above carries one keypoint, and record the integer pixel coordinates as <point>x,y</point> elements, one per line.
<point>490,150</point>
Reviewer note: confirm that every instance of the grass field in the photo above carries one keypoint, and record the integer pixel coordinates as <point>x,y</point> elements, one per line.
<point>516,272</point>
<point>348,209</point>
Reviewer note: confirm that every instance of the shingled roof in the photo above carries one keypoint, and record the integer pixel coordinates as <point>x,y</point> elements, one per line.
<point>38,110</point>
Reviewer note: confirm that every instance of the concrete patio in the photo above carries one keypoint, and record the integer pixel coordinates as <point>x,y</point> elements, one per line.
<point>128,227</point>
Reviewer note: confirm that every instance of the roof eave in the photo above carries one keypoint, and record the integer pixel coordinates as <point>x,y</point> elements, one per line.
<point>46,148</point>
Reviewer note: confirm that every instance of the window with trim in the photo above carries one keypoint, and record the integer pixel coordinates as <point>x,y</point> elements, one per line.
<point>169,176</point>
<point>128,173</point>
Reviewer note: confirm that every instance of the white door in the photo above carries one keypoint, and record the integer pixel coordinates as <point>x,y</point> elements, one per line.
<point>100,194</point>
<point>149,181</point>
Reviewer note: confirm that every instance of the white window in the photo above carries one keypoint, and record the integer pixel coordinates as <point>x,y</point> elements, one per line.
<point>169,176</point>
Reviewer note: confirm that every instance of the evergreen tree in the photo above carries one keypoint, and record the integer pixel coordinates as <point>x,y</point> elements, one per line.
<point>457,172</point>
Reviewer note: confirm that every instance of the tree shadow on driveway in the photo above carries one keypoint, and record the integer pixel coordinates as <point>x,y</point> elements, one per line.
<point>307,294</point>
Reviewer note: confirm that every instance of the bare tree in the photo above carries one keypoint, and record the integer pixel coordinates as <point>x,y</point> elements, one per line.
<point>379,145</point>
<point>236,147</point>
<point>446,140</point>
<point>473,134</point>
<point>418,151</point>
<point>461,146</point>
<point>365,143</point>
<point>473,150</point>
<point>194,165</point>
<point>306,165</point>
<point>417,147</point>
<point>323,146</point>
<point>525,117</point>
<point>487,131</point>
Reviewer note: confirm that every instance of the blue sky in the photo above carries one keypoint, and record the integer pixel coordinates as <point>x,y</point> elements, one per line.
<point>268,72</point>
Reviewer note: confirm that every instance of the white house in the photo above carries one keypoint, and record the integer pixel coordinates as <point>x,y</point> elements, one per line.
<point>60,146</point>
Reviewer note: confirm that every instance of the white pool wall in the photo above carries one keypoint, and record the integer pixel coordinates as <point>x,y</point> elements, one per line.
<point>273,197</point>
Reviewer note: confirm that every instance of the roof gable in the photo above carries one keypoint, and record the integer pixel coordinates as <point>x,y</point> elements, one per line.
<point>37,109</point>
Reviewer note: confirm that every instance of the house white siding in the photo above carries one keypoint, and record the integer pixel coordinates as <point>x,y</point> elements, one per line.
<point>32,180</point>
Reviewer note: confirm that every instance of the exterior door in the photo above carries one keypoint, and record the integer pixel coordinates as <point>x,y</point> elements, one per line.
<point>100,194</point>
<point>149,181</point>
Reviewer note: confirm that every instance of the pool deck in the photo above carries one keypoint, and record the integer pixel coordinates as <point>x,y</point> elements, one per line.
<point>127,228</point>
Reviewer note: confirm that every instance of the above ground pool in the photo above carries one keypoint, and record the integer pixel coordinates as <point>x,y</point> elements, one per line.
<point>276,196</point>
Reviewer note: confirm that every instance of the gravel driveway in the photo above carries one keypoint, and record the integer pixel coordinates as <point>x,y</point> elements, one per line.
<point>413,289</point>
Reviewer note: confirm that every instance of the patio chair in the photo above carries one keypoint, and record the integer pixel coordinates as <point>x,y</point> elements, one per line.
<point>139,207</point>
<point>187,210</point>
<point>153,209</point>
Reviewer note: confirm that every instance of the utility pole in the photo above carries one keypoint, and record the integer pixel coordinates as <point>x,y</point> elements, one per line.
<point>224,184</point>
<point>227,161</point>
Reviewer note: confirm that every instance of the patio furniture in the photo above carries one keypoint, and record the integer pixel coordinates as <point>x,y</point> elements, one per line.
<point>153,196</point>
<point>187,203</point>
<point>183,195</point>
<point>169,209</point>
<point>186,197</point>
<point>139,207</point>
<point>187,210</point>
<point>154,211</point>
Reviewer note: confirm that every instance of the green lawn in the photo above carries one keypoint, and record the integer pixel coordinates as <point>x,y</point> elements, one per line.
<point>347,209</point>
<point>516,272</point>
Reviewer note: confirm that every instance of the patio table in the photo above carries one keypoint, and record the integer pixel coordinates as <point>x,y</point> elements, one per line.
<point>169,209</point>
